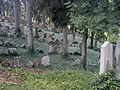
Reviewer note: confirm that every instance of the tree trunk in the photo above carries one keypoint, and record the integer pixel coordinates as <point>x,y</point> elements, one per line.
<point>84,50</point>
<point>95,46</point>
<point>92,39</point>
<point>65,41</point>
<point>29,26</point>
<point>17,15</point>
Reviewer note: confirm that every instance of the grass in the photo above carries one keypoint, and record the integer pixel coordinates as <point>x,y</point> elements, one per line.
<point>56,80</point>
<point>65,75</point>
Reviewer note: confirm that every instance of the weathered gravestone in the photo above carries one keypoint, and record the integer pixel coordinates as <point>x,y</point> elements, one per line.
<point>25,30</point>
<point>30,64</point>
<point>117,55</point>
<point>16,62</point>
<point>106,58</point>
<point>52,49</point>
<point>45,61</point>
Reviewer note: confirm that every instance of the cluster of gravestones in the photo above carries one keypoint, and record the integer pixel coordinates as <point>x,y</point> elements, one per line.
<point>9,52</point>
<point>53,44</point>
<point>110,57</point>
<point>31,64</point>
<point>10,44</point>
<point>4,32</point>
<point>12,62</point>
<point>36,63</point>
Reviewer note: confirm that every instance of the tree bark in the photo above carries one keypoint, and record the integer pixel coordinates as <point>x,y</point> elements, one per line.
<point>65,41</point>
<point>17,15</point>
<point>29,26</point>
<point>92,39</point>
<point>95,46</point>
<point>84,49</point>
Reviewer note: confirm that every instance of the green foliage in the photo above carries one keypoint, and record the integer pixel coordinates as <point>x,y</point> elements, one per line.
<point>113,38</point>
<point>106,81</point>
<point>99,16</point>
<point>56,80</point>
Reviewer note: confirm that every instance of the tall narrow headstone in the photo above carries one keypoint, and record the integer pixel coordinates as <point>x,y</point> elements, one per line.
<point>117,55</point>
<point>106,58</point>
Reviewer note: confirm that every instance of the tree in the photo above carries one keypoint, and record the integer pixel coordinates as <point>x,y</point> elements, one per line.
<point>17,17</point>
<point>60,17</point>
<point>29,25</point>
<point>58,10</point>
<point>97,16</point>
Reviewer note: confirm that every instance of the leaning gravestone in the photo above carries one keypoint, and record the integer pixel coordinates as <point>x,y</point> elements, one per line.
<point>106,58</point>
<point>45,61</point>
<point>117,55</point>
<point>25,30</point>
<point>52,49</point>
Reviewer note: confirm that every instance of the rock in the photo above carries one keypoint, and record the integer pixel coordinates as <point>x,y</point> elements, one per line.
<point>45,61</point>
<point>30,64</point>
<point>36,63</point>
<point>76,53</point>
<point>12,51</point>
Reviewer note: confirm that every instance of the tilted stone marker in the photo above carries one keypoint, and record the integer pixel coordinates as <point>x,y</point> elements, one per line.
<point>117,55</point>
<point>106,58</point>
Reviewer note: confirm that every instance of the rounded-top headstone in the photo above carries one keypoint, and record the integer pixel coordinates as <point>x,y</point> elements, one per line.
<point>45,61</point>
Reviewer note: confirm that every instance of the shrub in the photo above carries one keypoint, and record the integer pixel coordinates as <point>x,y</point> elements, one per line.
<point>106,81</point>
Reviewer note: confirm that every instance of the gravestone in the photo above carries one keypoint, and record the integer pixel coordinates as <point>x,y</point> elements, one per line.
<point>16,62</point>
<point>77,62</point>
<point>25,30</point>
<point>52,49</point>
<point>106,58</point>
<point>12,51</point>
<point>50,39</point>
<point>117,55</point>
<point>45,61</point>
<point>29,64</point>
<point>36,63</point>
